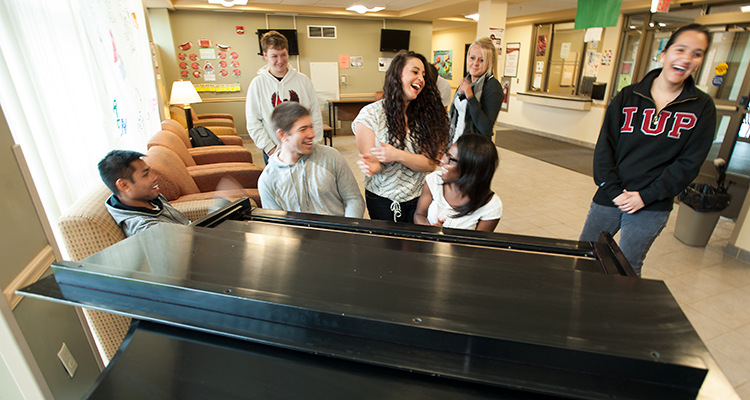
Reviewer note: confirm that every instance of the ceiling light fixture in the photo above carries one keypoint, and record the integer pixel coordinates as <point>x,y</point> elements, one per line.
<point>361,9</point>
<point>229,3</point>
<point>745,8</point>
<point>475,16</point>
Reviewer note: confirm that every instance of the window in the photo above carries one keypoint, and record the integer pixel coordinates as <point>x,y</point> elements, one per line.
<point>561,62</point>
<point>643,38</point>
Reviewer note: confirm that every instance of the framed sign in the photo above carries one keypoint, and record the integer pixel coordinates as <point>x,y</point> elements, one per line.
<point>512,52</point>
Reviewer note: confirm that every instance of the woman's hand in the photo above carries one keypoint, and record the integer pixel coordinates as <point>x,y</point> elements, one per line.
<point>629,202</point>
<point>465,88</point>
<point>386,153</point>
<point>368,164</point>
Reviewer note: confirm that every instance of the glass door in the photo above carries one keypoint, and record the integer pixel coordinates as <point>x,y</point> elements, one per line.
<point>722,75</point>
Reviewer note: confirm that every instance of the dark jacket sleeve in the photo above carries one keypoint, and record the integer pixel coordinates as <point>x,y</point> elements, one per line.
<point>686,167</point>
<point>484,115</point>
<point>605,168</point>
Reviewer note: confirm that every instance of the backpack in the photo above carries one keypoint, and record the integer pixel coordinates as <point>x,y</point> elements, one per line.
<point>202,136</point>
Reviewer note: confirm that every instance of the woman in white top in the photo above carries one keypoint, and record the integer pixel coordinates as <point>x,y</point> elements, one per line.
<point>477,101</point>
<point>400,138</point>
<point>458,195</point>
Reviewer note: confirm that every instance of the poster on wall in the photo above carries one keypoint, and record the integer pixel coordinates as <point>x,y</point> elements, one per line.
<point>591,68</point>
<point>443,60</point>
<point>384,63</point>
<point>505,81</point>
<point>512,52</point>
<point>357,62</point>
<point>496,35</point>
<point>190,64</point>
<point>537,84</point>
<point>343,61</point>
<point>541,45</point>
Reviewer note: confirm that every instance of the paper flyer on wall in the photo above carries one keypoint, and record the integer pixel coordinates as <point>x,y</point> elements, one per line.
<point>496,35</point>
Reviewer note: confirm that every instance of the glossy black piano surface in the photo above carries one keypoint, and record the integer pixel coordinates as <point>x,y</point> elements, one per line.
<point>470,312</point>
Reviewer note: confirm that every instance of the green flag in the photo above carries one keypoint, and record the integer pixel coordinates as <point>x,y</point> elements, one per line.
<point>597,13</point>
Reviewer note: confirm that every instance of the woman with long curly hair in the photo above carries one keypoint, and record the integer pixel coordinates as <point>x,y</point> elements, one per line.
<point>458,195</point>
<point>400,138</point>
<point>477,101</point>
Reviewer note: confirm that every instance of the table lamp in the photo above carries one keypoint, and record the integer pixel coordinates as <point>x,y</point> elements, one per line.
<point>184,93</point>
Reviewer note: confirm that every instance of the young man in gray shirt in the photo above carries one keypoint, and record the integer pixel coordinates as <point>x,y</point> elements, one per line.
<point>304,176</point>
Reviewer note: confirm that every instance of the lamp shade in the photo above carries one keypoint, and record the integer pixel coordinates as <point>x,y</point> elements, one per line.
<point>183,92</point>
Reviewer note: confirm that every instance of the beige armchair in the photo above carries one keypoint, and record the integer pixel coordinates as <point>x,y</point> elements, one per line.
<point>219,126</point>
<point>202,155</point>
<point>179,183</point>
<point>179,130</point>
<point>87,228</point>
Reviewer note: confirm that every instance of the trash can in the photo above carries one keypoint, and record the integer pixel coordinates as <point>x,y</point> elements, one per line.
<point>700,209</point>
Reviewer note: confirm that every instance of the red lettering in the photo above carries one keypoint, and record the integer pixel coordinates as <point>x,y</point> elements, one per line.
<point>682,120</point>
<point>627,127</point>
<point>646,126</point>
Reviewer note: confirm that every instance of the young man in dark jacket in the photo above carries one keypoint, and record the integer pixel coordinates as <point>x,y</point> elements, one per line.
<point>135,203</point>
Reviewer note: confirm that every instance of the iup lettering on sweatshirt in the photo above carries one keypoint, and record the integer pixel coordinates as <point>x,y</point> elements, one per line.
<point>652,125</point>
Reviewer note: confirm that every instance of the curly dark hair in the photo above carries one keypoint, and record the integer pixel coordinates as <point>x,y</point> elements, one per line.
<point>428,121</point>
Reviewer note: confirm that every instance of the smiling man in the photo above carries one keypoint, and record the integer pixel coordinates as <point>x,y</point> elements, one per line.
<point>135,203</point>
<point>304,176</point>
<point>276,83</point>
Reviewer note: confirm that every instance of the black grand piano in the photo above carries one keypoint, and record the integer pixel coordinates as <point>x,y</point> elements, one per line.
<point>253,303</point>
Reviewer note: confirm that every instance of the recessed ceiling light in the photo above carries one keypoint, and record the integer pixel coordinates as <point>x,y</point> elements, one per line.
<point>475,17</point>
<point>229,3</point>
<point>745,8</point>
<point>361,9</point>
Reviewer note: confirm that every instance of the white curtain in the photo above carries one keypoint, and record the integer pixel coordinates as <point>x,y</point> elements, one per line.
<point>76,80</point>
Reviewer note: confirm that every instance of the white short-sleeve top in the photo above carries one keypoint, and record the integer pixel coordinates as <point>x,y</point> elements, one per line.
<point>439,208</point>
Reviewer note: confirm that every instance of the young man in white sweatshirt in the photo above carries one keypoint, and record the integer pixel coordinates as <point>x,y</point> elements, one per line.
<point>276,83</point>
<point>308,177</point>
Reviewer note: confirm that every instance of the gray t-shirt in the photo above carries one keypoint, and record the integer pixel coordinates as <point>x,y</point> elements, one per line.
<point>318,183</point>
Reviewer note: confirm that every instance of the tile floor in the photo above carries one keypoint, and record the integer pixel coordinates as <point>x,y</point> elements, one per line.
<point>713,289</point>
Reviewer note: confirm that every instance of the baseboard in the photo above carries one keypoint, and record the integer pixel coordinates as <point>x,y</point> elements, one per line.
<point>738,253</point>
<point>30,274</point>
<point>547,135</point>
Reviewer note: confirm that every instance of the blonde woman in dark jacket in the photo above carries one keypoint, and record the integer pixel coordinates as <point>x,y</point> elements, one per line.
<point>478,99</point>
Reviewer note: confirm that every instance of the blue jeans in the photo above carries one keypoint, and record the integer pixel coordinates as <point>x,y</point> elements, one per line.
<point>638,230</point>
<point>265,158</point>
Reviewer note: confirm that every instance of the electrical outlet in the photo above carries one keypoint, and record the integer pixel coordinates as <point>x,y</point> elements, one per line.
<point>67,359</point>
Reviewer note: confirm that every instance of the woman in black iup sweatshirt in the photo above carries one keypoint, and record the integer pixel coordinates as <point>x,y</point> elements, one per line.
<point>654,139</point>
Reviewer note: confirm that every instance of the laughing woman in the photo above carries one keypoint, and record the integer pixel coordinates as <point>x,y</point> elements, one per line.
<point>400,138</point>
<point>458,195</point>
<point>654,139</point>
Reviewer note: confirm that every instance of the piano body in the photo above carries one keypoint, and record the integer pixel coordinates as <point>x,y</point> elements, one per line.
<point>253,303</point>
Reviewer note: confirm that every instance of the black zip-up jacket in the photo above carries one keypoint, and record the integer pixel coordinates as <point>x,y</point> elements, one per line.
<point>657,155</point>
